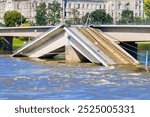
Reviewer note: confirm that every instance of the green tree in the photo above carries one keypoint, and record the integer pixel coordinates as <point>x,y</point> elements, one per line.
<point>139,20</point>
<point>85,17</point>
<point>13,18</point>
<point>147,8</point>
<point>97,17</point>
<point>75,17</point>
<point>1,24</point>
<point>54,12</point>
<point>41,14</point>
<point>108,19</point>
<point>127,16</point>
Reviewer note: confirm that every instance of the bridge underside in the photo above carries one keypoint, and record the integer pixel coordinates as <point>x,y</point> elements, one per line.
<point>126,33</point>
<point>78,44</point>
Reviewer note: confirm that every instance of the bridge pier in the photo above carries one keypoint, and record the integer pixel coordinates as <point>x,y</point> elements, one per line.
<point>130,47</point>
<point>7,44</point>
<point>71,54</point>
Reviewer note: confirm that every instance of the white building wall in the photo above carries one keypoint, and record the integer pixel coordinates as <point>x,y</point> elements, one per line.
<point>112,7</point>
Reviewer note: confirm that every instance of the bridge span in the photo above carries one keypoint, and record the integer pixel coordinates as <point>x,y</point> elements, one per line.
<point>98,44</point>
<point>77,43</point>
<point>126,33</point>
<point>29,31</point>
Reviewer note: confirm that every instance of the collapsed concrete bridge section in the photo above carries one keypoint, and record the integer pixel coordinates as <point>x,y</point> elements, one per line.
<point>78,43</point>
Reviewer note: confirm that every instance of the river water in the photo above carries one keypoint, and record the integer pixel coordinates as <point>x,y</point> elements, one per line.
<point>24,79</point>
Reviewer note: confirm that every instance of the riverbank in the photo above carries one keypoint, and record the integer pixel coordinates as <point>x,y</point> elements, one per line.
<point>143,45</point>
<point>17,43</point>
<point>5,52</point>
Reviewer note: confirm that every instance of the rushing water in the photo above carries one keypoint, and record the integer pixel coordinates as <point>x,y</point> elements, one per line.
<point>21,78</point>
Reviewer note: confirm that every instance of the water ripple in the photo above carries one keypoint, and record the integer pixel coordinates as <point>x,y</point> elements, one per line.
<point>28,79</point>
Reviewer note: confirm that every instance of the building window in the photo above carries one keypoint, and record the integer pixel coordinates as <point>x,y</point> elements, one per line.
<point>1,7</point>
<point>112,14</point>
<point>83,6</point>
<point>119,5</point>
<point>136,5</point>
<point>91,6</point>
<point>69,5</point>
<point>74,6</point>
<point>127,6</point>
<point>83,13</point>
<point>33,5</point>
<point>97,6</point>
<point>100,7</point>
<point>18,6</point>
<point>104,6</point>
<point>119,15</point>
<point>36,4</point>
<point>78,6</point>
<point>87,6</point>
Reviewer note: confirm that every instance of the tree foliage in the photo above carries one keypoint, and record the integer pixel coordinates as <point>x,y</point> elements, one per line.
<point>85,17</point>
<point>127,16</point>
<point>75,13</point>
<point>41,14</point>
<point>54,12</point>
<point>97,17</point>
<point>25,24</point>
<point>1,24</point>
<point>147,8</point>
<point>75,20</point>
<point>139,20</point>
<point>13,18</point>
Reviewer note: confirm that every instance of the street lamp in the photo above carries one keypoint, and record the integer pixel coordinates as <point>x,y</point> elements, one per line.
<point>64,11</point>
<point>115,11</point>
<point>30,10</point>
<point>21,12</point>
<point>87,20</point>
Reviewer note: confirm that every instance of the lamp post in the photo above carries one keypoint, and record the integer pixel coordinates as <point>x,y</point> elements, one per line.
<point>21,12</point>
<point>64,11</point>
<point>115,11</point>
<point>30,10</point>
<point>87,20</point>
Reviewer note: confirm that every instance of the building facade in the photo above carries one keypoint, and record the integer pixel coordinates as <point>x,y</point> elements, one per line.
<point>112,7</point>
<point>26,7</point>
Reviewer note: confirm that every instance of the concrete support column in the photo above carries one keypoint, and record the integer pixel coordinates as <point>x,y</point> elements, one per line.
<point>130,47</point>
<point>8,41</point>
<point>71,54</point>
<point>1,43</point>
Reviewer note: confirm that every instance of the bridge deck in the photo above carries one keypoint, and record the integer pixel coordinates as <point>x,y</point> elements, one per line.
<point>111,49</point>
<point>90,42</point>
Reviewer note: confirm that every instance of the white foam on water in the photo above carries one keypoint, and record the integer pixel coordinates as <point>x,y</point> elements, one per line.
<point>107,68</point>
<point>94,72</point>
<point>102,82</point>
<point>134,74</point>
